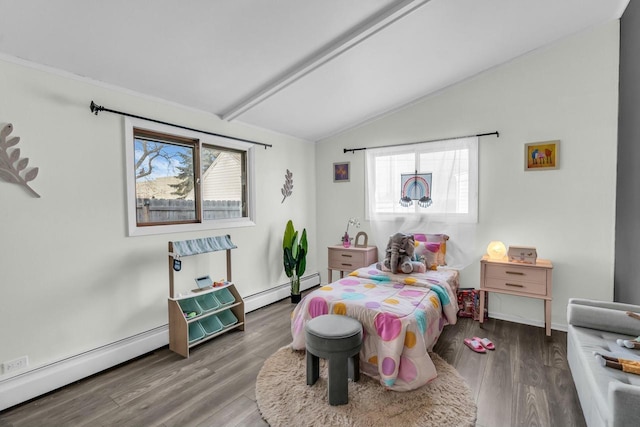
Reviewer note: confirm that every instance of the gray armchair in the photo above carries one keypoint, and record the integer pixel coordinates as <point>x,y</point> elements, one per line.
<point>608,397</point>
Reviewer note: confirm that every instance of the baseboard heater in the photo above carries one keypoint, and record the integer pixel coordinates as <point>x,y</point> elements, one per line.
<point>41,380</point>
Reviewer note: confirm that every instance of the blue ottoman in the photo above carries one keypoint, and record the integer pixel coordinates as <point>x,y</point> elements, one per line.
<point>337,339</point>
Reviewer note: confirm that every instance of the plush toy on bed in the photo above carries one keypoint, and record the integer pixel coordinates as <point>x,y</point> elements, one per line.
<point>399,255</point>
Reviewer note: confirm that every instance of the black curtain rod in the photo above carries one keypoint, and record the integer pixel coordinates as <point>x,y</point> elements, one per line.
<point>95,109</point>
<point>353,150</point>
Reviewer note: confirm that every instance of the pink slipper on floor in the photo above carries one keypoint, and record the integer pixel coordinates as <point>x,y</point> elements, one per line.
<point>486,343</point>
<point>474,345</point>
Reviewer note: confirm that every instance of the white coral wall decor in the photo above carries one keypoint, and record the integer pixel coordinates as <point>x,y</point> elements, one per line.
<point>287,188</point>
<point>13,168</point>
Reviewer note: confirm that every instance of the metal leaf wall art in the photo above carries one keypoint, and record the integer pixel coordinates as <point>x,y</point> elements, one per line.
<point>13,168</point>
<point>287,188</point>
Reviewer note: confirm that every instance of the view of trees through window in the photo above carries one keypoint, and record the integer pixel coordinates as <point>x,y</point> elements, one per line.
<point>168,189</point>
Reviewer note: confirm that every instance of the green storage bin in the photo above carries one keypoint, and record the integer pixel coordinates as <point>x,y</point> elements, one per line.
<point>225,297</point>
<point>227,318</point>
<point>208,302</point>
<point>189,305</point>
<point>211,325</point>
<point>196,332</point>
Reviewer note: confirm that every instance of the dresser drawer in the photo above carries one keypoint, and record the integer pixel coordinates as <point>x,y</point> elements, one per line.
<point>346,260</point>
<point>516,273</point>
<point>535,288</point>
<point>516,278</point>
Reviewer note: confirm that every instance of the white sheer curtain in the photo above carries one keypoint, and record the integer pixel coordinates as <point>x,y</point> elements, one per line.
<point>453,165</point>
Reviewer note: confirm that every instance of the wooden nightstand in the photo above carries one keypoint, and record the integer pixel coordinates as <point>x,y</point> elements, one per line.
<point>525,280</point>
<point>349,259</point>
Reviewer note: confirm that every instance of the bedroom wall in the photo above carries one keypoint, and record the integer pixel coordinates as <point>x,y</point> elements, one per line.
<point>566,91</point>
<point>627,268</point>
<point>71,279</point>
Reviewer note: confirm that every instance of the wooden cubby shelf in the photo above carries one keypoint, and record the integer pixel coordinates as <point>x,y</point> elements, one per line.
<point>217,309</point>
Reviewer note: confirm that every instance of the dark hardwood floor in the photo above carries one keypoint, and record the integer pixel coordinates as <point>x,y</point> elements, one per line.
<point>524,382</point>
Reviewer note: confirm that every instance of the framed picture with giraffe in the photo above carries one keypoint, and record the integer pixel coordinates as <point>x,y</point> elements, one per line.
<point>541,155</point>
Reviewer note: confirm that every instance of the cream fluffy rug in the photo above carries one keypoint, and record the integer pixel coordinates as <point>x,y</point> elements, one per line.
<point>284,399</point>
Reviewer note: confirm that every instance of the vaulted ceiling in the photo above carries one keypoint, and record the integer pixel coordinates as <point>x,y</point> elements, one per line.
<point>307,68</point>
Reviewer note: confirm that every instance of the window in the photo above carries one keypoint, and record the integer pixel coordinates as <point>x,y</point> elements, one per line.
<point>182,180</point>
<point>451,171</point>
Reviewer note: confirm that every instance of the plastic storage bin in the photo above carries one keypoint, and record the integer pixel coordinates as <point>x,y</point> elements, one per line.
<point>208,302</point>
<point>211,325</point>
<point>225,297</point>
<point>196,332</point>
<point>189,305</point>
<point>227,318</point>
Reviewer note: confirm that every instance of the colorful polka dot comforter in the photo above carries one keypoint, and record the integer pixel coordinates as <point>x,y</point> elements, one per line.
<point>402,317</point>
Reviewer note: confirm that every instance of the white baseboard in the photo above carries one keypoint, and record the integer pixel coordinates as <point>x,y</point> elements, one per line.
<point>262,299</point>
<point>36,382</point>
<point>524,321</point>
<point>27,385</point>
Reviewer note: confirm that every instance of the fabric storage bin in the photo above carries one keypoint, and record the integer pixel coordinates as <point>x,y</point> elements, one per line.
<point>469,303</point>
<point>211,325</point>
<point>225,297</point>
<point>189,305</point>
<point>208,302</point>
<point>227,318</point>
<point>196,332</point>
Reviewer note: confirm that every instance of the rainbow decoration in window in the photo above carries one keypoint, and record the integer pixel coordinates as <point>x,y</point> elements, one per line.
<point>416,186</point>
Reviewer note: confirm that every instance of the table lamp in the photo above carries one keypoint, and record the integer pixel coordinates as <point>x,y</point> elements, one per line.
<point>496,250</point>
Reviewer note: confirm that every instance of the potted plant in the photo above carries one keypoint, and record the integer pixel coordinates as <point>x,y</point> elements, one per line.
<point>294,258</point>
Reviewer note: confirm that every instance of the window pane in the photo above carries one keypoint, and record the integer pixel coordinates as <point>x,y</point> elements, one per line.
<point>450,174</point>
<point>164,181</point>
<point>453,169</point>
<point>223,183</point>
<point>388,186</point>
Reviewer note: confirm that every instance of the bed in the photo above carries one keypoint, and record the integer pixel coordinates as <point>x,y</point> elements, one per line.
<point>402,317</point>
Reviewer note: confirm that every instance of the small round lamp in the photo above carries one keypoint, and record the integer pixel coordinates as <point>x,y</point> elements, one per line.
<point>496,250</point>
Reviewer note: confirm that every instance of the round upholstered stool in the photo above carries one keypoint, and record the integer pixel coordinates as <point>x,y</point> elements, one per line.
<point>337,339</point>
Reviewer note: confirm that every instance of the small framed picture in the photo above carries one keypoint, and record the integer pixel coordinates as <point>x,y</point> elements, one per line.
<point>341,172</point>
<point>541,155</point>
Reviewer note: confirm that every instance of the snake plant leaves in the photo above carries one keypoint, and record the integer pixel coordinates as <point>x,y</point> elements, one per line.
<point>294,252</point>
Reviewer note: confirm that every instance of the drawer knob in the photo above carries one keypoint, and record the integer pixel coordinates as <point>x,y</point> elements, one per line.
<point>347,255</point>
<point>346,265</point>
<point>518,273</point>
<point>515,285</point>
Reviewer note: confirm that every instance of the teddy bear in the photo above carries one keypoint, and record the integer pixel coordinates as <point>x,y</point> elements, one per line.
<point>399,254</point>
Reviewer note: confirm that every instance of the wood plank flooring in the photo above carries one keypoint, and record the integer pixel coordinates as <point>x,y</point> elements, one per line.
<point>524,382</point>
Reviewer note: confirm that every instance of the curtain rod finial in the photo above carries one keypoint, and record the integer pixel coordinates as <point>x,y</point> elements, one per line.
<point>95,108</point>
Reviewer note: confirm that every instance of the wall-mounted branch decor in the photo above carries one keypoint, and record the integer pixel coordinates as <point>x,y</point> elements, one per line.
<point>287,188</point>
<point>13,168</point>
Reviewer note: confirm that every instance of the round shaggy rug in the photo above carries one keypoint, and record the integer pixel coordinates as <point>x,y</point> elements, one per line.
<point>285,399</point>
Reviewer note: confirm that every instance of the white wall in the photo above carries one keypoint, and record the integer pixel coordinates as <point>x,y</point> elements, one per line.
<point>70,278</point>
<point>567,91</point>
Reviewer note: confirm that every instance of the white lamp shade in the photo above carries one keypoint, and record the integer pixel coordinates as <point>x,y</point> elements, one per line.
<point>496,250</point>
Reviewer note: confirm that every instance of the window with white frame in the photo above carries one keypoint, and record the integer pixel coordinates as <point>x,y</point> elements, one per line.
<point>437,179</point>
<point>180,180</point>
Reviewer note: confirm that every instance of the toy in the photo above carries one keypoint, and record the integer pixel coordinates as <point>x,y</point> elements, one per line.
<point>626,365</point>
<point>635,344</point>
<point>399,253</point>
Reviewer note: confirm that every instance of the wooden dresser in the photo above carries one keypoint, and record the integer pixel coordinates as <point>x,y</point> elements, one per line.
<point>349,259</point>
<point>525,280</point>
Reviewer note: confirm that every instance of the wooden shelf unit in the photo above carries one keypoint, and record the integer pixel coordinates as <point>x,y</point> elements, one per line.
<point>179,325</point>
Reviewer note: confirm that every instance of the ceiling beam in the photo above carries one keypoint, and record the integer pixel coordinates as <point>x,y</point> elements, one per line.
<point>355,36</point>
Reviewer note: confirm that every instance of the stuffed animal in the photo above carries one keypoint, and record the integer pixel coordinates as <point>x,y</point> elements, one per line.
<point>399,254</point>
